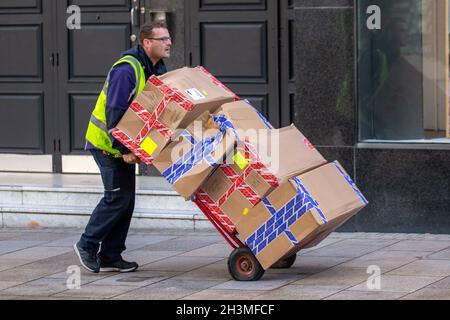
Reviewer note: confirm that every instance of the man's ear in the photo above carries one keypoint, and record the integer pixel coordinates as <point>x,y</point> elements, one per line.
<point>145,43</point>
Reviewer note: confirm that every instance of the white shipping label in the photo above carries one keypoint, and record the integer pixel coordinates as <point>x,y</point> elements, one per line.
<point>195,94</point>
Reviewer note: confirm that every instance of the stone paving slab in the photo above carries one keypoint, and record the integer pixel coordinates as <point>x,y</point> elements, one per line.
<point>193,265</point>
<point>420,245</point>
<point>443,254</point>
<point>336,277</point>
<point>8,246</point>
<point>24,274</point>
<point>267,282</point>
<point>441,284</point>
<point>429,294</point>
<point>145,257</point>
<point>7,235</point>
<point>377,243</point>
<point>386,260</point>
<point>67,241</point>
<point>59,263</point>
<point>85,276</point>
<point>395,283</point>
<point>169,289</point>
<point>384,254</point>
<point>183,244</point>
<point>324,243</point>
<point>308,265</point>
<point>431,268</point>
<point>365,295</point>
<point>8,284</point>
<point>220,250</point>
<point>177,263</point>
<point>136,279</point>
<point>40,297</point>
<point>384,265</point>
<point>297,292</point>
<point>36,253</point>
<point>39,287</point>
<point>346,250</point>
<point>41,236</point>
<point>215,294</point>
<point>6,264</point>
<point>150,238</point>
<point>94,291</point>
<point>215,271</point>
<point>136,241</point>
<point>390,236</point>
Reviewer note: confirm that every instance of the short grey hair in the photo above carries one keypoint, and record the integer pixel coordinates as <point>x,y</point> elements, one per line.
<point>148,27</point>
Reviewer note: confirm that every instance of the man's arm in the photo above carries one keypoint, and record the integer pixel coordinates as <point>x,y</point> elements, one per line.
<point>121,84</point>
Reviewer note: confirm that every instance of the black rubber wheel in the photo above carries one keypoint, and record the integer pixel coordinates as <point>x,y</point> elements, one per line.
<point>284,263</point>
<point>243,265</point>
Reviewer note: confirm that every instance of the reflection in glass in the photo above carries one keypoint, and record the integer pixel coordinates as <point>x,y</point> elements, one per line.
<point>403,71</point>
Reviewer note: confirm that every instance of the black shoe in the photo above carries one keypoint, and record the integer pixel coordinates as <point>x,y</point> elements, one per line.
<point>87,260</point>
<point>118,266</point>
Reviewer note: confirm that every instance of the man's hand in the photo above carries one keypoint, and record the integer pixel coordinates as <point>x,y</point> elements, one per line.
<point>131,158</point>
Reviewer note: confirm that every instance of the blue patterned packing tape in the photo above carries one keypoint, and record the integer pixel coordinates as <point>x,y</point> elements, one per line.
<point>351,183</point>
<point>281,220</point>
<point>263,119</point>
<point>201,150</point>
<point>225,124</point>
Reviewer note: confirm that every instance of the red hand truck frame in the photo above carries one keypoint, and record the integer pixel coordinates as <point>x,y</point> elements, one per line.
<point>242,264</point>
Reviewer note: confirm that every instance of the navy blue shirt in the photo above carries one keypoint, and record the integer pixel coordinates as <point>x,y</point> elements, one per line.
<point>122,81</point>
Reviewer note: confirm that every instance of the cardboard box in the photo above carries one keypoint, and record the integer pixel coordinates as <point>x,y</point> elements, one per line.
<point>167,103</point>
<point>300,213</point>
<point>195,153</point>
<point>237,186</point>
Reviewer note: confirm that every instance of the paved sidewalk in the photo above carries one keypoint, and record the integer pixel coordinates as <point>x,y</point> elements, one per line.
<point>40,264</point>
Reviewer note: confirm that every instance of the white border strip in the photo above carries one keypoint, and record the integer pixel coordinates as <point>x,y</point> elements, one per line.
<point>26,163</point>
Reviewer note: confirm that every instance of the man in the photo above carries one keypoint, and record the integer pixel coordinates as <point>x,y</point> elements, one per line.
<point>103,240</point>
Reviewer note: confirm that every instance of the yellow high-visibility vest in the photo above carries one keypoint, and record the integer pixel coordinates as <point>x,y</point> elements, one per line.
<point>97,132</point>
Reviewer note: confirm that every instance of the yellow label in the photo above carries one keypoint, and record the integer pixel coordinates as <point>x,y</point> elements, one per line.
<point>149,145</point>
<point>245,212</point>
<point>205,93</point>
<point>240,160</point>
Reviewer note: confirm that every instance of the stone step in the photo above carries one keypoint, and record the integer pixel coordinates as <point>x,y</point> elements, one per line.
<point>89,197</point>
<point>77,217</point>
<point>51,200</point>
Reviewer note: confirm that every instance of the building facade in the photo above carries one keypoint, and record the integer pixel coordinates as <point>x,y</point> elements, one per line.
<point>365,80</point>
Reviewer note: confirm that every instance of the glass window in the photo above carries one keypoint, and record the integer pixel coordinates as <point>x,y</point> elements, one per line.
<point>403,70</point>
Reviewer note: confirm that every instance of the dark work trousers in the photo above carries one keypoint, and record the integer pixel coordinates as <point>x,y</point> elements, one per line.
<point>108,226</point>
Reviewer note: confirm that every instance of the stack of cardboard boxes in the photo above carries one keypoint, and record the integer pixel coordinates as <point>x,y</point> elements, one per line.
<point>271,186</point>
<point>168,103</point>
<point>263,159</point>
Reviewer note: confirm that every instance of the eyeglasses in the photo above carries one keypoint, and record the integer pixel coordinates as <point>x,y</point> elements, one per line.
<point>163,39</point>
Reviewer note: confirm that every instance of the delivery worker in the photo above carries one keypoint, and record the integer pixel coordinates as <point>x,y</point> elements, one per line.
<point>103,240</point>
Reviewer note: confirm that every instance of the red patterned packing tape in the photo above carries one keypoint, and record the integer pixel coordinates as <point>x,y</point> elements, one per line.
<point>151,120</point>
<point>238,183</point>
<point>174,94</point>
<point>217,82</point>
<point>133,146</point>
<point>215,210</point>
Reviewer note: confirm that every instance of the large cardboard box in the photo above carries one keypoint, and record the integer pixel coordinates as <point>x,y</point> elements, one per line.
<point>195,153</point>
<point>300,213</point>
<point>258,165</point>
<point>249,125</point>
<point>167,103</point>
